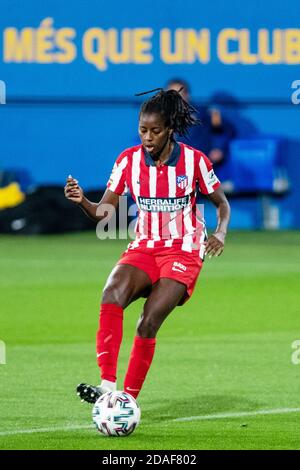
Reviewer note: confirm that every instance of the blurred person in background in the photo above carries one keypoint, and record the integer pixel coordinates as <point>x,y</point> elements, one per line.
<point>213,134</point>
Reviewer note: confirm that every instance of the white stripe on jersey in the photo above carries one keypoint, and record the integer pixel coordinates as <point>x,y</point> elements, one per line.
<point>189,169</point>
<point>117,173</point>
<point>205,175</point>
<point>152,180</point>
<point>154,215</point>
<point>135,173</point>
<point>202,247</point>
<point>189,230</point>
<point>173,215</point>
<point>172,181</point>
<point>187,213</point>
<point>136,186</point>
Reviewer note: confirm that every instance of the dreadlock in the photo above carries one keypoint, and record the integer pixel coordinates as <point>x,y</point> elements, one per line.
<point>176,112</point>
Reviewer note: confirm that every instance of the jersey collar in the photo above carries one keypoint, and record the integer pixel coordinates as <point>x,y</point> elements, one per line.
<point>173,158</point>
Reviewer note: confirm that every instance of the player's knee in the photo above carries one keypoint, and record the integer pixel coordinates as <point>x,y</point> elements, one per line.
<point>117,293</point>
<point>111,295</point>
<point>147,328</point>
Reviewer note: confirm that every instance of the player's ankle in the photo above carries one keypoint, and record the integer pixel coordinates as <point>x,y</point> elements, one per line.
<point>108,386</point>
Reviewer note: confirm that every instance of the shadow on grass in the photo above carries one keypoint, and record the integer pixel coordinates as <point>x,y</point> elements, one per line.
<point>199,405</point>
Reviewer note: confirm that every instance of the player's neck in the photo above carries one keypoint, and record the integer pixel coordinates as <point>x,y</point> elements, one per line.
<point>164,157</point>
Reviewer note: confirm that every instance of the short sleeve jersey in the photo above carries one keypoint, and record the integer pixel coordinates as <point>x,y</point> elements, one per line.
<point>166,195</point>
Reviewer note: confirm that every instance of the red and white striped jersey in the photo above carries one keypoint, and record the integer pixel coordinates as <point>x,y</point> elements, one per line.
<point>166,195</point>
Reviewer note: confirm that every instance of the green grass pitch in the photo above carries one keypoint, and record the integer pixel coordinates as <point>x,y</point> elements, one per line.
<point>224,358</point>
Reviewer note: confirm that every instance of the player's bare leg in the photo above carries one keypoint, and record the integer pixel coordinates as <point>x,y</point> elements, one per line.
<point>165,296</point>
<point>125,284</point>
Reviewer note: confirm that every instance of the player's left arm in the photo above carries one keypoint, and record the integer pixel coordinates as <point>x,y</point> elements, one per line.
<point>214,246</point>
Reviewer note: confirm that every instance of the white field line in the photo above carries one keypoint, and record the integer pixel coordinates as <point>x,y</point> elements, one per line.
<point>240,414</point>
<point>75,427</point>
<point>71,427</point>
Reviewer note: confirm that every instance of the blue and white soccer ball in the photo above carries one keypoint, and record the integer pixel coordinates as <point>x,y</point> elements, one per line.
<point>116,414</point>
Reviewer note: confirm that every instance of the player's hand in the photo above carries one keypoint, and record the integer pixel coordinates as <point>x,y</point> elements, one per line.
<point>73,191</point>
<point>214,246</point>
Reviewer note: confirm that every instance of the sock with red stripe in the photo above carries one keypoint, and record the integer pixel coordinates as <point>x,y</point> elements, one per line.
<point>139,363</point>
<point>108,341</point>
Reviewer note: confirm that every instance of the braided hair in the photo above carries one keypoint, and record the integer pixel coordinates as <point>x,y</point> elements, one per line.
<point>176,112</point>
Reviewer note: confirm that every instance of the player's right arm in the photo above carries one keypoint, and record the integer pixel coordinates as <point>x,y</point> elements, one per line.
<point>74,193</point>
<point>110,200</point>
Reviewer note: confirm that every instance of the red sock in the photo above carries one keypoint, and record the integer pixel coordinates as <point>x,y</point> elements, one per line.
<point>139,363</point>
<point>109,338</point>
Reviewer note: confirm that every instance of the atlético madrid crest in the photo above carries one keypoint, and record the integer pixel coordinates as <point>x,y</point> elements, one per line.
<point>182,181</point>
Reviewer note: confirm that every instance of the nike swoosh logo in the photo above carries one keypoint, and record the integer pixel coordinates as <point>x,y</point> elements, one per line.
<point>105,352</point>
<point>179,270</point>
<point>133,389</point>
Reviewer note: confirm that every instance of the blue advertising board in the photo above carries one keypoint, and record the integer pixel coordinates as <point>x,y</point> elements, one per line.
<point>99,49</point>
<point>69,72</point>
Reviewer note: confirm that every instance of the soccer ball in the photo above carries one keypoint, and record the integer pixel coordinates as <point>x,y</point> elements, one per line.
<point>116,414</point>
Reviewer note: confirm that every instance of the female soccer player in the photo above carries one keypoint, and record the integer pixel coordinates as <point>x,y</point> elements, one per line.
<point>164,260</point>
